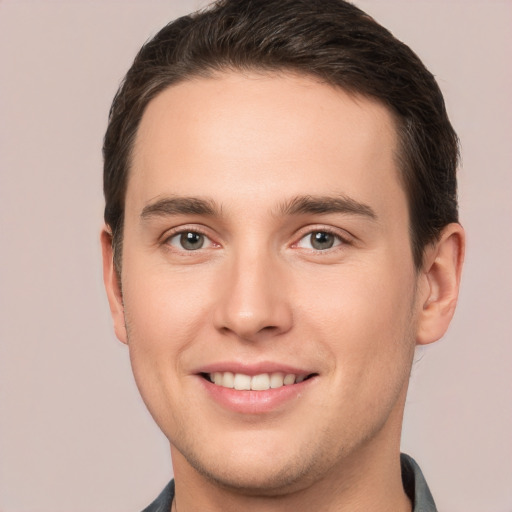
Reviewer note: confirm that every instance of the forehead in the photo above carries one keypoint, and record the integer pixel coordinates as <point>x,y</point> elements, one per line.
<point>264,135</point>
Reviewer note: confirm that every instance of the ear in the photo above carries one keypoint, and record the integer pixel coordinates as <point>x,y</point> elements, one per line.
<point>440,278</point>
<point>113,286</point>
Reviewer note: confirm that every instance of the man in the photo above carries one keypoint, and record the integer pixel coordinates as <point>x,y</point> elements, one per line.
<point>281,232</point>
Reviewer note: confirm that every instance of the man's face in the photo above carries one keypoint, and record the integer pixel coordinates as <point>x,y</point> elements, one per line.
<point>267,234</point>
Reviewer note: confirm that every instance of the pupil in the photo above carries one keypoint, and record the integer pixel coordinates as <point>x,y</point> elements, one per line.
<point>192,241</point>
<point>322,240</point>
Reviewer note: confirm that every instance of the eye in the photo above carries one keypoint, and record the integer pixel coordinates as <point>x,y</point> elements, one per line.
<point>319,241</point>
<point>189,241</point>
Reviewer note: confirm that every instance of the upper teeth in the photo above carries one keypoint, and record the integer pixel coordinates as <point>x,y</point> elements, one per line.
<point>260,382</point>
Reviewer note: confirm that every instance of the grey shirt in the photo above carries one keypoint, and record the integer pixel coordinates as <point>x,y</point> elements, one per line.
<point>414,484</point>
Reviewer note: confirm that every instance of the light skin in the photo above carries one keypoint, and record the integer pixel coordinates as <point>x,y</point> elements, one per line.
<point>266,231</point>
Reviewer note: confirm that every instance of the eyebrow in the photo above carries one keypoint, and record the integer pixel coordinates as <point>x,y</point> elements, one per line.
<point>179,206</point>
<point>319,205</point>
<point>322,205</point>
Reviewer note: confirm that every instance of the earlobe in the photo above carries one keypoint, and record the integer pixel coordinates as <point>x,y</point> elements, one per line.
<point>112,286</point>
<point>441,278</point>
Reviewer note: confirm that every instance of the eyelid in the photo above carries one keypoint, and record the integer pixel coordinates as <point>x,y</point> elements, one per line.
<point>187,228</point>
<point>343,236</point>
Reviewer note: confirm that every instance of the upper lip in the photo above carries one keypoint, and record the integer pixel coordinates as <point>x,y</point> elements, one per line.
<point>252,369</point>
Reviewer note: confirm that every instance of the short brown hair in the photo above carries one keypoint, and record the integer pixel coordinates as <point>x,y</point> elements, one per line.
<point>331,40</point>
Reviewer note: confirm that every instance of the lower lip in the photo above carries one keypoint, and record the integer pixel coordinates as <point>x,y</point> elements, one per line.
<point>256,402</point>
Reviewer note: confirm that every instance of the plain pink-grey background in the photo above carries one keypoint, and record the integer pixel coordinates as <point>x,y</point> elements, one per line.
<point>74,434</point>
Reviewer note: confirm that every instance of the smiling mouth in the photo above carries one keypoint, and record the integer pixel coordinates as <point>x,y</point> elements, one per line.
<point>260,382</point>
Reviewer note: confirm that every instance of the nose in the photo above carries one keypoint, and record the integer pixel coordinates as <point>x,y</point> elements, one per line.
<point>253,303</point>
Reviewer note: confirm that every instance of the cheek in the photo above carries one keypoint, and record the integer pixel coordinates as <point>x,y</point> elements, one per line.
<point>366,331</point>
<point>164,314</point>
<point>162,307</point>
<point>364,319</point>
<point>162,320</point>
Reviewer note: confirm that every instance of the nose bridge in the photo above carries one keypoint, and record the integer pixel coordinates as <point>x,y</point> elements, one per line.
<point>254,300</point>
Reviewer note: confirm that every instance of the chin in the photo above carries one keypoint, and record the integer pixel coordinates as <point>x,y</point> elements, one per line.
<point>254,469</point>
<point>270,479</point>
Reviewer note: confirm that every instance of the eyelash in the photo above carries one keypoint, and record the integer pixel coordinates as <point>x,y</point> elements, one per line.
<point>339,239</point>
<point>183,231</point>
